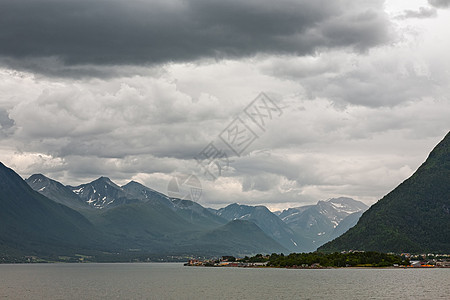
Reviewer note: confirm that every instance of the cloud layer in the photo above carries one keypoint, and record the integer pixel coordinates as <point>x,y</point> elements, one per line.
<point>80,32</point>
<point>440,3</point>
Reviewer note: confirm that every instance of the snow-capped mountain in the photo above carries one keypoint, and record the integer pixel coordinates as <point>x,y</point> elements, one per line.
<point>267,221</point>
<point>320,223</point>
<point>103,193</point>
<point>335,210</point>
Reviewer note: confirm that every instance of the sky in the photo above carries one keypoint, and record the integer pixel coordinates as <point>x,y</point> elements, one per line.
<point>277,103</point>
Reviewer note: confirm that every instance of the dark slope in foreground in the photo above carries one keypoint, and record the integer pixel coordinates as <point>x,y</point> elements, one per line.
<point>31,223</point>
<point>414,217</point>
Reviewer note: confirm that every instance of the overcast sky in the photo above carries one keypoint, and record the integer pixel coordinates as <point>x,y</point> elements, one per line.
<point>358,93</point>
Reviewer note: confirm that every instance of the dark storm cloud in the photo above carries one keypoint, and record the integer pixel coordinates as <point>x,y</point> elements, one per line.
<point>137,32</point>
<point>439,3</point>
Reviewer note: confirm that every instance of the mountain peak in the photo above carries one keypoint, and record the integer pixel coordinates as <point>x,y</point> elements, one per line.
<point>9,178</point>
<point>54,190</point>
<point>38,175</point>
<point>101,193</point>
<point>133,183</point>
<point>37,178</point>
<point>103,179</point>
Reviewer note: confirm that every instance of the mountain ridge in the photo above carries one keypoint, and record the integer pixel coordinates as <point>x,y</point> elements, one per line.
<point>281,228</point>
<point>149,226</point>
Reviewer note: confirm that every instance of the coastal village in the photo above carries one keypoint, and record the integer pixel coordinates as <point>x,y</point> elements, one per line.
<point>429,260</point>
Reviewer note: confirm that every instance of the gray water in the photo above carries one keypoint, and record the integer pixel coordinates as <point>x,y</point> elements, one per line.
<point>174,281</point>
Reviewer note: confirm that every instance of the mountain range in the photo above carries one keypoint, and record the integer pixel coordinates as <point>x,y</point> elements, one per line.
<point>40,216</point>
<point>44,217</point>
<point>103,218</point>
<point>300,229</point>
<point>292,233</point>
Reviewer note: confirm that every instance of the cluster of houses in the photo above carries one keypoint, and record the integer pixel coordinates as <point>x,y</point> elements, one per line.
<point>225,261</point>
<point>429,260</point>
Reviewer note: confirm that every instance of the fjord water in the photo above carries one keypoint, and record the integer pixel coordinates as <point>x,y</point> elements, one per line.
<point>174,281</point>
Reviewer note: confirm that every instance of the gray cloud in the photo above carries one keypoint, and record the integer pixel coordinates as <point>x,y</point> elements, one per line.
<point>422,13</point>
<point>5,121</point>
<point>118,118</point>
<point>375,81</point>
<point>84,33</point>
<point>439,3</point>
<point>6,124</point>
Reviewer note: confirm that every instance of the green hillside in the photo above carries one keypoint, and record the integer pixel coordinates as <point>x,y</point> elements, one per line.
<point>414,217</point>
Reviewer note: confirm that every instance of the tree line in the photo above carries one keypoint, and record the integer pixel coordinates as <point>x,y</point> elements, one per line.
<point>336,259</point>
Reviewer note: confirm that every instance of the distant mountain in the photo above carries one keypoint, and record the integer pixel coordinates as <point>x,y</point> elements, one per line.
<point>318,224</point>
<point>334,210</point>
<point>347,223</point>
<point>103,193</point>
<point>149,226</point>
<point>285,214</point>
<point>242,237</point>
<point>31,223</point>
<point>55,191</point>
<point>267,221</point>
<point>414,217</point>
<point>135,190</point>
<point>154,227</point>
<point>137,216</point>
<point>197,214</point>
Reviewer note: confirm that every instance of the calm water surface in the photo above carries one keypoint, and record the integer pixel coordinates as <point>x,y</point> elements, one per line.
<point>174,281</point>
